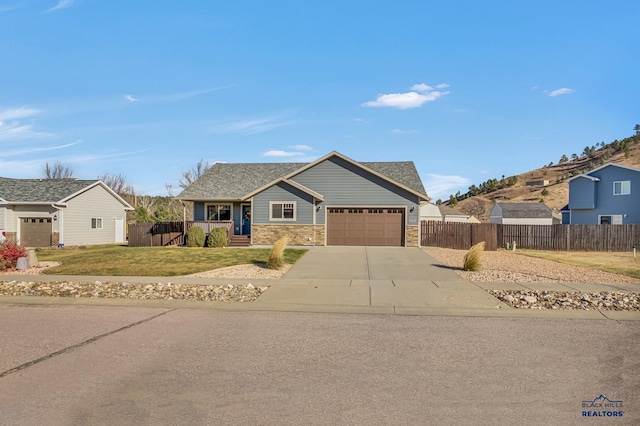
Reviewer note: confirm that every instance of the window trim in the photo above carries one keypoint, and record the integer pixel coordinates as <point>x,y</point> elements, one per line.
<point>96,221</point>
<point>218,205</point>
<point>622,187</point>
<point>283,219</point>
<point>616,219</point>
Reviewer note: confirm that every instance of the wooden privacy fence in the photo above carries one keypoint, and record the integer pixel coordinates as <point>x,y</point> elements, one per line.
<point>538,237</point>
<point>459,236</point>
<point>160,234</point>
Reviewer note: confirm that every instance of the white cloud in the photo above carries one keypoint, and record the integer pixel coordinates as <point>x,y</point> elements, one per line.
<point>403,132</point>
<point>422,88</point>
<point>15,130</point>
<point>280,153</point>
<point>441,186</point>
<point>442,86</point>
<point>301,147</point>
<point>254,126</point>
<point>420,94</point>
<point>534,87</point>
<point>62,4</point>
<point>16,113</point>
<point>561,91</point>
<point>36,149</point>
<point>130,98</point>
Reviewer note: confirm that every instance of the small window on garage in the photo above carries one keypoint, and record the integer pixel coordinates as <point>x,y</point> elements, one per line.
<point>96,223</point>
<point>282,210</point>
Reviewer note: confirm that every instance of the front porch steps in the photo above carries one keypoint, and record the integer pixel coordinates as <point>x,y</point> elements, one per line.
<point>240,241</point>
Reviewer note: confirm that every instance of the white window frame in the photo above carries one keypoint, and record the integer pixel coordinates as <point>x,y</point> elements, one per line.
<point>97,221</point>
<point>622,187</point>
<point>616,219</point>
<point>217,206</point>
<point>283,219</point>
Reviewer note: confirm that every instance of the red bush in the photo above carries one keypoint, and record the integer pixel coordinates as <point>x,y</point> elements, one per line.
<point>9,254</point>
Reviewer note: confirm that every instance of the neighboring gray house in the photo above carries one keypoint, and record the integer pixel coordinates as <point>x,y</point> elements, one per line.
<point>609,194</point>
<point>49,212</point>
<point>521,214</point>
<point>441,213</point>
<point>331,201</point>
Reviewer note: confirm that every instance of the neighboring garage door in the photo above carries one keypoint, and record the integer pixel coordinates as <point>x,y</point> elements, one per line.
<point>35,232</point>
<point>365,227</point>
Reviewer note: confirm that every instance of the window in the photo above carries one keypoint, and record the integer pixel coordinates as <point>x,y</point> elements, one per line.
<point>218,212</point>
<point>614,219</point>
<point>622,187</point>
<point>96,223</point>
<point>279,210</point>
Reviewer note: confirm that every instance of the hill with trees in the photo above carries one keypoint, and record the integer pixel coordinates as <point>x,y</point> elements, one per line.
<point>546,184</point>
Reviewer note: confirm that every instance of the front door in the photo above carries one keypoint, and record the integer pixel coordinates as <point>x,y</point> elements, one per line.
<point>246,219</point>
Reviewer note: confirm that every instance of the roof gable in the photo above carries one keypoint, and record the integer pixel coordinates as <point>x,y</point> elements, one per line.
<point>48,191</point>
<point>524,210</point>
<point>237,181</point>
<point>595,179</point>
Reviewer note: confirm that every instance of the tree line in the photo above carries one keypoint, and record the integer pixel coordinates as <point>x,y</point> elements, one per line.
<point>147,208</point>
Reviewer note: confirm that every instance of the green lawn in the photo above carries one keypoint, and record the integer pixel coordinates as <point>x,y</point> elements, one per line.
<point>153,261</point>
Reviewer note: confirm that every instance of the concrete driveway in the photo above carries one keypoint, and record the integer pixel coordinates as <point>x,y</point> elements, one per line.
<point>370,263</point>
<point>374,280</point>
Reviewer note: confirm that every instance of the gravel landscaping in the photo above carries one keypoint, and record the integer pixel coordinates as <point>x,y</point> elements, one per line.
<point>507,267</point>
<point>504,266</point>
<point>125,290</point>
<point>562,300</point>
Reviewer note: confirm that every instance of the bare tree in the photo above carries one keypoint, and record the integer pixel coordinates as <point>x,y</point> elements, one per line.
<point>190,176</point>
<point>57,171</point>
<point>118,183</point>
<point>148,202</point>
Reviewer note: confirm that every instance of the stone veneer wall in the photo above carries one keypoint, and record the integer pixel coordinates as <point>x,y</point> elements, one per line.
<point>299,235</point>
<point>412,236</point>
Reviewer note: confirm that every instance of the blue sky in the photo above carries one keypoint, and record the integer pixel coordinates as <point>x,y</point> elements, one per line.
<point>468,90</point>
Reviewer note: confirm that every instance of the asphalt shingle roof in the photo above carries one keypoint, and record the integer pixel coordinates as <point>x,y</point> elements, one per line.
<point>40,190</point>
<point>525,210</point>
<point>228,181</point>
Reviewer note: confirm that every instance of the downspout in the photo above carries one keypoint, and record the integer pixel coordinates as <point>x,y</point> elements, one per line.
<point>60,223</point>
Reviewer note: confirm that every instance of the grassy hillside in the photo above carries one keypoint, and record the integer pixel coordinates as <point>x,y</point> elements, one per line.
<point>556,193</point>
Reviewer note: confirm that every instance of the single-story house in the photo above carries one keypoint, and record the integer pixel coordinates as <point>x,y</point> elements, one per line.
<point>50,212</point>
<point>331,201</point>
<point>441,213</point>
<point>521,214</point>
<point>607,195</point>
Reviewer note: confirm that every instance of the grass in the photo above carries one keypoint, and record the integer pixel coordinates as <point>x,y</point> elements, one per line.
<point>622,263</point>
<point>153,261</point>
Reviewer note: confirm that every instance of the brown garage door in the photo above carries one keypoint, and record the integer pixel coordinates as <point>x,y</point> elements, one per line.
<point>35,232</point>
<point>365,227</point>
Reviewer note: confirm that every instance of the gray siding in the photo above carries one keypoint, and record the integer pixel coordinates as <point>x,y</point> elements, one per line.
<point>343,184</point>
<point>606,202</point>
<point>286,193</point>
<point>96,202</point>
<point>2,218</point>
<point>582,193</point>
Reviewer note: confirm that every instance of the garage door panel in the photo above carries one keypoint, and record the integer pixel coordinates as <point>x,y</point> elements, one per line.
<point>35,231</point>
<point>365,226</point>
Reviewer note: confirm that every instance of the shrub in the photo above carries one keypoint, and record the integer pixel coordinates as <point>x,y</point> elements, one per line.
<point>275,260</point>
<point>472,258</point>
<point>9,254</point>
<point>217,238</point>
<point>195,237</point>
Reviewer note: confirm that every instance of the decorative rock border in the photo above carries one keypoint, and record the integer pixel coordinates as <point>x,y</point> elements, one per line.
<point>563,300</point>
<point>125,290</point>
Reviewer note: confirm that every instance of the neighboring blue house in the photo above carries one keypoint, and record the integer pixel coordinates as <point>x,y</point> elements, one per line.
<point>331,201</point>
<point>608,195</point>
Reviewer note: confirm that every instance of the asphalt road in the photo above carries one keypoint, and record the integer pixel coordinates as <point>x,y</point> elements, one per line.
<point>84,365</point>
